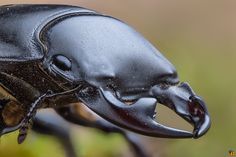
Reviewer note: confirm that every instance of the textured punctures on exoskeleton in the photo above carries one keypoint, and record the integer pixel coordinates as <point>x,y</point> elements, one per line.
<point>54,55</point>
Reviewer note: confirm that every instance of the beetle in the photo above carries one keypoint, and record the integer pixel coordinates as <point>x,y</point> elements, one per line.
<point>53,56</point>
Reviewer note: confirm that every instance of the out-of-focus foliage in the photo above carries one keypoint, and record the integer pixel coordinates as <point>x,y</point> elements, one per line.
<point>199,38</point>
<point>87,143</point>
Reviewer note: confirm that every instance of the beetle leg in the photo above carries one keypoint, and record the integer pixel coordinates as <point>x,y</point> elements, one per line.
<point>50,123</point>
<point>69,114</point>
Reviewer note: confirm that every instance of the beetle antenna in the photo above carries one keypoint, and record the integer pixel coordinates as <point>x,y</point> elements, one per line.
<point>27,122</point>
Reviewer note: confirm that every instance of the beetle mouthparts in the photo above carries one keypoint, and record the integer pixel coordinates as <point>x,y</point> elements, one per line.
<point>138,117</point>
<point>202,122</point>
<point>186,104</point>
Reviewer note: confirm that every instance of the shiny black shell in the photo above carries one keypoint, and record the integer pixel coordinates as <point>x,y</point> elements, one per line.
<point>103,51</point>
<point>57,48</point>
<point>21,25</point>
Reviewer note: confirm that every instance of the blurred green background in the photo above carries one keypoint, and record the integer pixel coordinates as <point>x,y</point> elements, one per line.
<point>198,37</point>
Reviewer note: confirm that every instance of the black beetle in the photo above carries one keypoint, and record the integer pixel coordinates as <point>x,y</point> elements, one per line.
<point>54,55</point>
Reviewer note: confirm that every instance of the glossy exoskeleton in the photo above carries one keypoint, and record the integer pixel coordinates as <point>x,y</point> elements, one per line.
<point>57,56</point>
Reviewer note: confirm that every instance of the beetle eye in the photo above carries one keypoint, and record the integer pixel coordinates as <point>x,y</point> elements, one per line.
<point>62,62</point>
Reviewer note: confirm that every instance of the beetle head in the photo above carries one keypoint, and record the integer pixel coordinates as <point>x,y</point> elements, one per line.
<point>116,65</point>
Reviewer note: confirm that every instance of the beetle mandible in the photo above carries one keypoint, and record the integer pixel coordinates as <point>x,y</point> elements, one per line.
<point>52,56</point>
